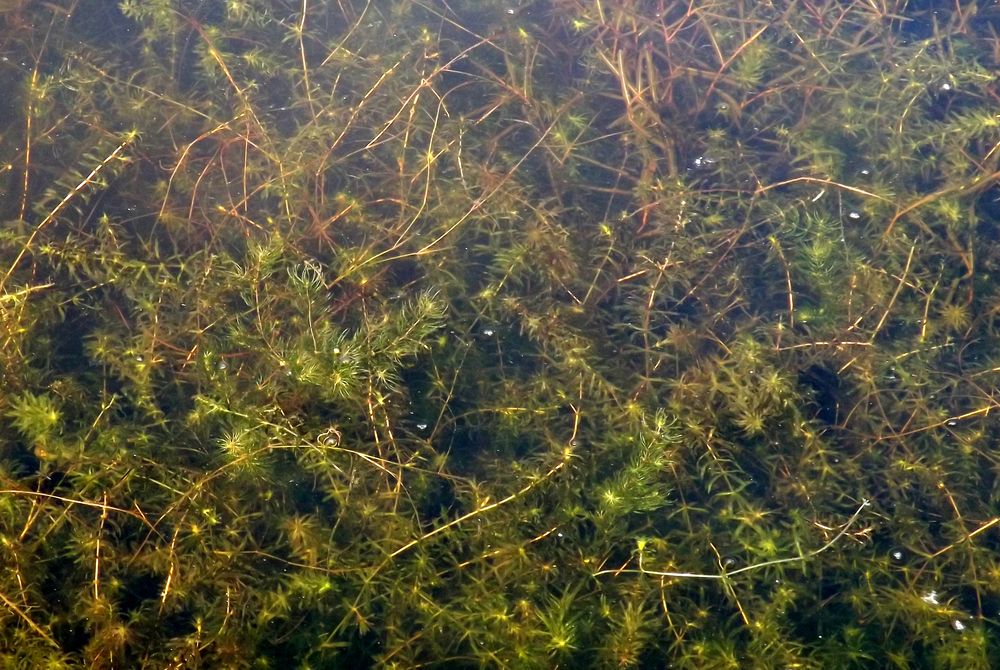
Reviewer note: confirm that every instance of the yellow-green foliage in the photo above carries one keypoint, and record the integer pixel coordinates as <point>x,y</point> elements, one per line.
<point>494,334</point>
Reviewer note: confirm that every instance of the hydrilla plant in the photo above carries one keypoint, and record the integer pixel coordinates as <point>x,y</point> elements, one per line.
<point>479,334</point>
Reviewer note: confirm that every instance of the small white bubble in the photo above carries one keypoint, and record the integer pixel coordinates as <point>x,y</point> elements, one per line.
<point>958,625</point>
<point>931,598</point>
<point>854,215</point>
<point>223,365</point>
<point>866,172</point>
<point>898,555</point>
<point>952,422</point>
<point>946,87</point>
<point>421,426</point>
<point>488,332</point>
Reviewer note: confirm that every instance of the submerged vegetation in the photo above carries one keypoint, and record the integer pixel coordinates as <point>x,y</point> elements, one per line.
<point>556,333</point>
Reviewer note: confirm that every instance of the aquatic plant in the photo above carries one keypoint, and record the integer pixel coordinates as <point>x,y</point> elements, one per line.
<point>481,334</point>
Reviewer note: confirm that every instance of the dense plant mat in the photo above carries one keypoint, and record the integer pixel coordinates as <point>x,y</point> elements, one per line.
<point>474,334</point>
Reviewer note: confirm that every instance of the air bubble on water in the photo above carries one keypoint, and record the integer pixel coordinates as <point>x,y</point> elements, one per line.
<point>931,598</point>
<point>958,625</point>
<point>854,215</point>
